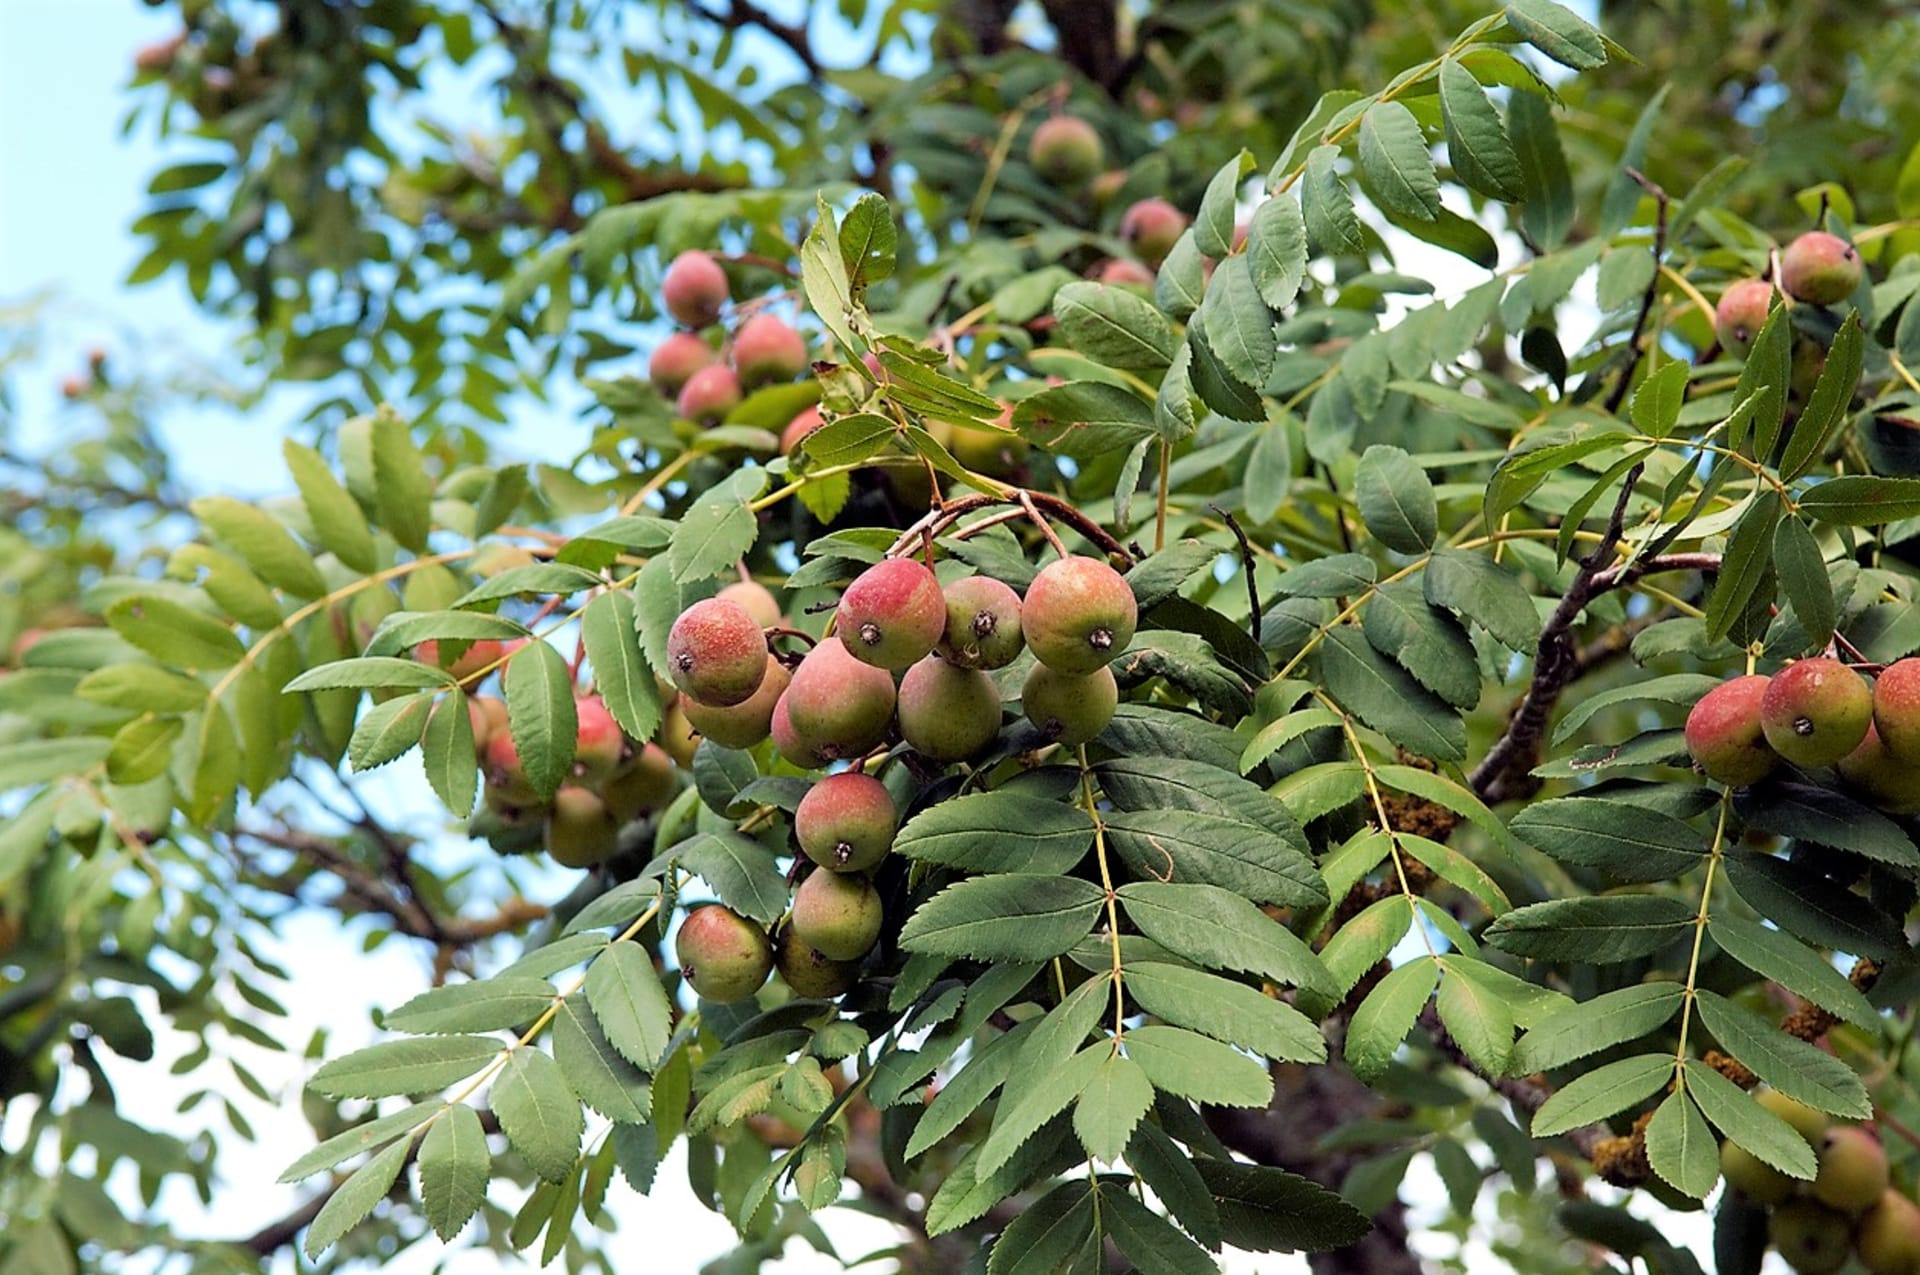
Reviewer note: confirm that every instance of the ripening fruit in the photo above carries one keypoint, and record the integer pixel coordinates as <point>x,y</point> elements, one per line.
<point>798,428</point>
<point>694,289</point>
<point>1753,1177</point>
<point>1151,228</point>
<point>837,706</point>
<point>722,954</point>
<point>740,725</point>
<point>788,742</point>
<point>716,653</point>
<point>1816,711</point>
<point>1079,614</point>
<point>846,822</point>
<point>488,714</point>
<point>1069,708</point>
<point>1066,151</point>
<point>471,663</point>
<point>676,735</point>
<point>581,830</point>
<point>1106,185</point>
<point>1853,1170</point>
<point>1724,735</point>
<point>807,972</point>
<point>1896,709</point>
<point>709,395</point>
<point>997,453</point>
<point>837,914</point>
<point>1888,1236</point>
<point>948,713</point>
<point>756,600</point>
<point>600,745</point>
<point>1806,1121</point>
<point>1877,775</point>
<point>1740,314</point>
<point>766,349</point>
<point>1128,273</point>
<point>646,783</point>
<point>1820,269</point>
<point>892,613</point>
<point>983,623</point>
<point>1813,1239</point>
<point>506,778</point>
<point>676,359</point>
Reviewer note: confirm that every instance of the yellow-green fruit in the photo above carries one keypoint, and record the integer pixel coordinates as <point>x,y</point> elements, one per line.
<point>1872,771</point>
<point>756,600</point>
<point>1853,1170</point>
<point>722,954</point>
<point>1753,1177</point>
<point>983,624</point>
<point>677,735</point>
<point>740,725</point>
<point>1807,1122</point>
<point>807,972</point>
<point>1820,268</point>
<point>838,914</point>
<point>1812,1238</point>
<point>947,713</point>
<point>646,783</point>
<point>1066,151</point>
<point>1888,1236</point>
<point>1069,709</point>
<point>581,831</point>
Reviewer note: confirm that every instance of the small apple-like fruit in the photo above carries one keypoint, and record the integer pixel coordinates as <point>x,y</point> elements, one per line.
<point>1887,1237</point>
<point>709,395</point>
<point>1127,273</point>
<point>745,724</point>
<point>756,600</point>
<point>1853,1170</point>
<point>1742,310</point>
<point>694,289</point>
<point>892,613</point>
<point>1151,227</point>
<point>846,822</point>
<point>716,653</point>
<point>798,428</point>
<point>676,359</point>
<point>648,782</point>
<point>1066,151</point>
<point>1884,780</point>
<point>1069,708</point>
<point>677,735</point>
<point>808,973</point>
<point>479,657</point>
<point>1078,615</point>
<point>1809,1122</point>
<point>983,624</point>
<point>1816,711</point>
<point>600,746</point>
<point>837,707</point>
<point>506,777</point>
<point>1820,269</point>
<point>1896,709</point>
<point>838,914</point>
<point>1753,1177</point>
<point>767,349</point>
<point>1813,1239</point>
<point>948,713</point>
<point>722,954</point>
<point>581,830</point>
<point>788,742</point>
<point>1724,735</point>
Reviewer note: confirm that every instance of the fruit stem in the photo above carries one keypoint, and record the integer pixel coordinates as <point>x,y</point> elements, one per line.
<point>1380,814</point>
<point>1160,503</point>
<point>1106,883</point>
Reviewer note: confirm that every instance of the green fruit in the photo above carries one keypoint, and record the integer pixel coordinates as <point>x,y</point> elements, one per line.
<point>648,782</point>
<point>676,735</point>
<point>1888,1236</point>
<point>1066,151</point>
<point>693,289</point>
<point>1753,1177</point>
<point>1069,709</point>
<point>846,822</point>
<point>892,613</point>
<point>807,972</point>
<point>983,624</point>
<point>581,831</point>
<point>1816,711</point>
<point>756,600</point>
<point>716,653</point>
<point>837,707</point>
<point>600,746</point>
<point>1741,313</point>
<point>740,725</point>
<point>766,349</point>
<point>1724,735</point>
<point>788,742</point>
<point>723,955</point>
<point>1806,1121</point>
<point>1853,1170</point>
<point>709,395</point>
<point>676,359</point>
<point>1884,781</point>
<point>1820,269</point>
<point>1151,228</point>
<point>1813,1239</point>
<point>948,713</point>
<point>1896,710</point>
<point>1078,615</point>
<point>837,914</point>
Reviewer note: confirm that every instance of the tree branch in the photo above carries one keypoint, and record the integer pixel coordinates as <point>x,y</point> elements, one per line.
<point>744,13</point>
<point>1634,352</point>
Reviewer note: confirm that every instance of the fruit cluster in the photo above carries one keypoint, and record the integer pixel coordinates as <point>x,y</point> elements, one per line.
<point>1850,1208</point>
<point>1816,713</point>
<point>1817,271</point>
<point>707,383</point>
<point>841,704</point>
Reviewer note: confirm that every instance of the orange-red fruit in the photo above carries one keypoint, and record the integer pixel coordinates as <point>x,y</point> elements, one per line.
<point>948,713</point>
<point>1820,269</point>
<point>600,746</point>
<point>676,359</point>
<point>479,655</point>
<point>716,653</point>
<point>1122,271</point>
<point>1740,314</point>
<point>837,914</point>
<point>1853,1170</point>
<point>846,822</point>
<point>892,613</point>
<point>1069,708</point>
<point>807,972</point>
<point>837,707</point>
<point>1724,735</point>
<point>722,954</point>
<point>983,623</point>
<point>694,289</point>
<point>1888,1236</point>
<point>581,831</point>
<point>1151,228</point>
<point>1816,711</point>
<point>787,741</point>
<point>767,349</point>
<point>756,600</point>
<point>740,725</point>
<point>1896,710</point>
<point>1877,775</point>
<point>646,783</point>
<point>798,428</point>
<point>1079,614</point>
<point>1066,151</point>
<point>709,395</point>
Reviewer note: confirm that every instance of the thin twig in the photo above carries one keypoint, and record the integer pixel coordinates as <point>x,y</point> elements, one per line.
<point>1618,395</point>
<point>1246,565</point>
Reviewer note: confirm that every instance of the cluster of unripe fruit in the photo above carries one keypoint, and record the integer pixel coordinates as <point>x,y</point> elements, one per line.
<point>1067,152</point>
<point>1850,1208</point>
<point>1816,269</point>
<point>1814,713</point>
<point>841,703</point>
<point>705,382</point>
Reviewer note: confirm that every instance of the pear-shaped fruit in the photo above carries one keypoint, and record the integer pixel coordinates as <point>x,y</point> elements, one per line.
<point>1069,709</point>
<point>1724,734</point>
<point>846,822</point>
<point>709,395</point>
<point>838,707</point>
<point>1066,151</point>
<point>600,746</point>
<point>716,653</point>
<point>722,954</point>
<point>1853,1170</point>
<point>581,830</point>
<point>1813,1239</point>
<point>1816,711</point>
<point>740,725</point>
<point>1820,269</point>
<point>694,288</point>
<point>892,613</point>
<point>767,349</point>
<point>1078,615</point>
<point>837,914</point>
<point>947,713</point>
<point>983,624</point>
<point>1741,313</point>
<point>1887,1237</point>
<point>807,972</point>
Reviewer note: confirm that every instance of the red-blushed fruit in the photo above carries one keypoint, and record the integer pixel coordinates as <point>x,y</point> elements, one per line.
<point>676,359</point>
<point>788,742</point>
<point>837,707</point>
<point>1753,1177</point>
<point>837,914</point>
<point>983,623</point>
<point>479,656</point>
<point>1740,314</point>
<point>1896,709</point>
<point>676,735</point>
<point>892,613</point>
<point>846,822</point>
<point>1816,711</point>
<point>1886,782</point>
<point>756,600</point>
<point>646,783</point>
<point>1151,228</point>
<point>1106,185</point>
<point>767,349</point>
<point>694,289</point>
<point>1119,270</point>
<point>1069,708</point>
<point>1066,151</point>
<point>716,653</point>
<point>722,954</point>
<point>740,725</point>
<point>948,713</point>
<point>506,778</point>
<point>1724,735</point>
<point>600,746</point>
<point>806,972</point>
<point>1853,1170</point>
<point>1078,615</point>
<point>489,716</point>
<point>798,428</point>
<point>1887,1237</point>
<point>709,395</point>
<point>581,831</point>
<point>1813,1239</point>
<point>1820,269</point>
